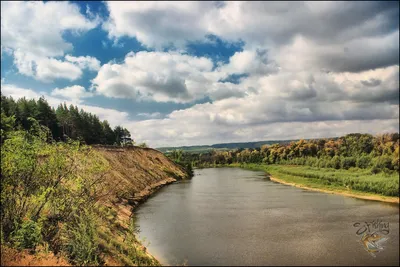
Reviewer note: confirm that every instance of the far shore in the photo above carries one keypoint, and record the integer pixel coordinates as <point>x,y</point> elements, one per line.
<point>343,193</point>
<point>347,193</point>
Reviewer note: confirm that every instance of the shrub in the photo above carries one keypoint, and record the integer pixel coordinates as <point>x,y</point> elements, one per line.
<point>363,162</point>
<point>26,234</point>
<point>347,162</point>
<point>82,242</point>
<point>143,145</point>
<point>379,163</point>
<point>310,161</point>
<point>323,163</point>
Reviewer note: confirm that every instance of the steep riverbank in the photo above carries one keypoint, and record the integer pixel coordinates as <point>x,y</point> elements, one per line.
<point>136,173</point>
<point>133,174</point>
<point>313,184</point>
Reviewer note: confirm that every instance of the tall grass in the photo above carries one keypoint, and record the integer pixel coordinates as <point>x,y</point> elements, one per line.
<point>386,184</point>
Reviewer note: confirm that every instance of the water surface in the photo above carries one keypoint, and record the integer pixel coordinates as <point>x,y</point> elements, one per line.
<point>231,216</point>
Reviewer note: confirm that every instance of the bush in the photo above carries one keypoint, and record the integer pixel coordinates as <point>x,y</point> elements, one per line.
<point>334,163</point>
<point>323,163</point>
<point>363,162</point>
<point>382,162</point>
<point>347,162</point>
<point>310,161</point>
<point>82,241</point>
<point>143,145</point>
<point>26,234</point>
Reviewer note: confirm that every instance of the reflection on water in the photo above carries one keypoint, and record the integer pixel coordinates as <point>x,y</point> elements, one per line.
<point>230,216</point>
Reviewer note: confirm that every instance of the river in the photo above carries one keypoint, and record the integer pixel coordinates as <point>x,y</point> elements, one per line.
<point>231,216</point>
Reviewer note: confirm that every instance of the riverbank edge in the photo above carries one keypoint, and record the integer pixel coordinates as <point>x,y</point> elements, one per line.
<point>24,258</point>
<point>142,197</point>
<point>347,193</point>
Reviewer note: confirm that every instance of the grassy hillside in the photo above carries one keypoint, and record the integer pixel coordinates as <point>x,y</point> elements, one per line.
<point>67,202</point>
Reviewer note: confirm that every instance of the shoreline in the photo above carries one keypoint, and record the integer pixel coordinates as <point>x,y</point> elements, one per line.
<point>354,194</point>
<point>394,200</point>
<point>142,197</point>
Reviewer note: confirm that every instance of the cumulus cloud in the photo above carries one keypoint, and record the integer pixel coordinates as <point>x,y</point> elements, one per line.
<point>181,78</point>
<point>150,115</point>
<point>254,62</point>
<point>161,76</point>
<point>45,69</point>
<point>87,62</point>
<point>350,56</point>
<point>307,69</point>
<point>33,31</point>
<point>350,36</point>
<point>48,69</point>
<point>255,22</point>
<point>74,92</point>
<point>338,104</point>
<point>37,27</point>
<point>158,23</point>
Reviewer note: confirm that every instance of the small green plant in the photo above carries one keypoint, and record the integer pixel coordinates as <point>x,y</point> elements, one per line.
<point>82,242</point>
<point>26,234</point>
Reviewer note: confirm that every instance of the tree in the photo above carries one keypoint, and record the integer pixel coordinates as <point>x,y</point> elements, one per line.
<point>109,135</point>
<point>7,124</point>
<point>47,117</point>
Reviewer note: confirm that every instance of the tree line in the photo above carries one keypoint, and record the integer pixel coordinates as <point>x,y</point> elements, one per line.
<point>63,123</point>
<point>364,151</point>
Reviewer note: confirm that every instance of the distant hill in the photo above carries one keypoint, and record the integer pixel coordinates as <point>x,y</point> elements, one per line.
<point>223,146</point>
<point>230,146</point>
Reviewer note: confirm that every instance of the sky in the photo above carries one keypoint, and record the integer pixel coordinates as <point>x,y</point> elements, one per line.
<point>198,73</point>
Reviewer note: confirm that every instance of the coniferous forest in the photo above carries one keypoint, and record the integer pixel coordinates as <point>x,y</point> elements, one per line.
<point>63,122</point>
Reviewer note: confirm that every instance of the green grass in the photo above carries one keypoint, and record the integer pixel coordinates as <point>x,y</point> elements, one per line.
<point>353,180</point>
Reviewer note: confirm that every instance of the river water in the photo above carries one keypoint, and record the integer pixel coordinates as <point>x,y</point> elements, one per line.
<point>231,216</point>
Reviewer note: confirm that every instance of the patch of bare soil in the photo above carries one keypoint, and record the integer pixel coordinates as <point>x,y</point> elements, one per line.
<point>13,257</point>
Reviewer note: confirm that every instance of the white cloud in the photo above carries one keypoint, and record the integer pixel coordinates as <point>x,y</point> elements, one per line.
<point>49,69</point>
<point>161,76</point>
<point>259,23</point>
<point>284,108</point>
<point>313,69</point>
<point>150,115</point>
<point>74,92</point>
<point>158,23</point>
<point>87,62</point>
<point>254,62</point>
<point>45,69</point>
<point>176,77</point>
<point>33,32</point>
<point>37,27</point>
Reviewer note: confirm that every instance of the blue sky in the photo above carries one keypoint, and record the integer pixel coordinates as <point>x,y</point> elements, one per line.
<point>186,73</point>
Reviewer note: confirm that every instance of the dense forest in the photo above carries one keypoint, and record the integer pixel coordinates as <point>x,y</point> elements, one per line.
<point>63,122</point>
<point>364,151</point>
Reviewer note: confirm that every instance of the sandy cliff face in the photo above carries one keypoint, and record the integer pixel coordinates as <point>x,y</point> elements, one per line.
<point>137,172</point>
<point>135,169</point>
